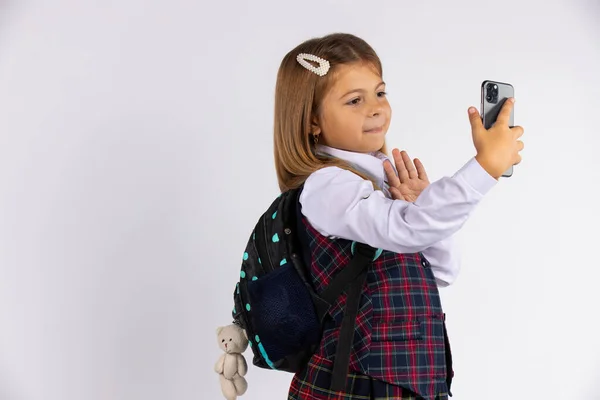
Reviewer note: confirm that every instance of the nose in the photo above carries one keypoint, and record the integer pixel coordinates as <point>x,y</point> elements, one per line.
<point>375,112</point>
<point>375,108</point>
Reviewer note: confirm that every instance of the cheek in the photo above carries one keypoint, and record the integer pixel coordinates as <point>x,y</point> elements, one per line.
<point>387,107</point>
<point>337,123</point>
<point>354,121</point>
<point>342,122</point>
<point>388,111</point>
<point>353,118</point>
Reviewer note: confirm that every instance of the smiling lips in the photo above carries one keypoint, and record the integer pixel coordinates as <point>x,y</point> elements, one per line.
<point>374,130</point>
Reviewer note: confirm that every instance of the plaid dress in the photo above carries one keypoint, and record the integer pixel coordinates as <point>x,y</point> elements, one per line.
<point>400,348</point>
<point>313,383</point>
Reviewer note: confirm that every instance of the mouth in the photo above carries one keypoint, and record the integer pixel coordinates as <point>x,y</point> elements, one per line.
<point>374,130</point>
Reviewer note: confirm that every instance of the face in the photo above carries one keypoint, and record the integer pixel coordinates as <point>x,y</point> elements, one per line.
<point>232,339</point>
<point>355,114</point>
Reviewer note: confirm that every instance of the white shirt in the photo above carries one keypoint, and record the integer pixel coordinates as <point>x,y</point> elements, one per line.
<point>339,203</point>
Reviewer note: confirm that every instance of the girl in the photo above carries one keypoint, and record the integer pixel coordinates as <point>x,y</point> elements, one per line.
<point>331,118</point>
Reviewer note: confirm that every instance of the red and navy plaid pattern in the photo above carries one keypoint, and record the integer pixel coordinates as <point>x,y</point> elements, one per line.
<point>399,336</point>
<point>313,384</point>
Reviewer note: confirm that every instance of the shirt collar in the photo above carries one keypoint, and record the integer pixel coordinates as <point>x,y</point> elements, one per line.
<point>370,163</point>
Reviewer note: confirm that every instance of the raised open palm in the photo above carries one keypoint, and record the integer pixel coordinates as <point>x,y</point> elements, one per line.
<point>411,179</point>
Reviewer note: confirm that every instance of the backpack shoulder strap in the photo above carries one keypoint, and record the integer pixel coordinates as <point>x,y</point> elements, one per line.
<point>351,278</point>
<point>363,256</point>
<point>354,275</point>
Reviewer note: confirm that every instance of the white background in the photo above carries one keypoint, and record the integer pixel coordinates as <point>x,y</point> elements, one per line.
<point>136,156</point>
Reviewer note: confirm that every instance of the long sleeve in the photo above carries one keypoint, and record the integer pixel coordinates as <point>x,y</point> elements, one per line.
<point>339,203</point>
<point>444,258</point>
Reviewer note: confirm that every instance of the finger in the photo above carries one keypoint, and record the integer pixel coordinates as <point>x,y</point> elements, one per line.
<point>396,195</point>
<point>402,172</point>
<point>412,171</point>
<point>391,173</point>
<point>421,170</point>
<point>504,114</point>
<point>518,130</point>
<point>520,145</point>
<point>476,123</point>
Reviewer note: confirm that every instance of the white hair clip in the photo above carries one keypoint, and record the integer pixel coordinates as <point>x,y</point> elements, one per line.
<point>303,59</point>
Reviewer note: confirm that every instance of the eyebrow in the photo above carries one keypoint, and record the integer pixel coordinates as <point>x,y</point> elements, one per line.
<point>361,90</point>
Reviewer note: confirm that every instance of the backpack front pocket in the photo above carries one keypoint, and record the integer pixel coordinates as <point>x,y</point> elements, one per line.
<point>281,310</point>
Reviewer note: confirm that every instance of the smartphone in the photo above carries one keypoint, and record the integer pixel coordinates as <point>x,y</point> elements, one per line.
<point>493,96</point>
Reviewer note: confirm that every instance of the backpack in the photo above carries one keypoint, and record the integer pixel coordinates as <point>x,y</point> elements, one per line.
<point>275,302</point>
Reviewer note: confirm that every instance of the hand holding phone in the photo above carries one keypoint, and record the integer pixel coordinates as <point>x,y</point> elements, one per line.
<point>498,146</point>
<point>493,96</point>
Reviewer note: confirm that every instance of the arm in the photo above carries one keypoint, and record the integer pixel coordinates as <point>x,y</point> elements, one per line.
<point>242,367</point>
<point>340,203</point>
<point>220,364</point>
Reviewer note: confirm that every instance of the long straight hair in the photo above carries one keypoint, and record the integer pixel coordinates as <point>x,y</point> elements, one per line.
<point>298,96</point>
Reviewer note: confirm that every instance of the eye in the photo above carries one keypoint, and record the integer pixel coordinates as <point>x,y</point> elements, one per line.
<point>382,94</point>
<point>230,339</point>
<point>223,341</point>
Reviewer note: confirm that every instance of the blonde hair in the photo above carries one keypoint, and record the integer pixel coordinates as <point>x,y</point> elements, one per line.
<point>298,96</point>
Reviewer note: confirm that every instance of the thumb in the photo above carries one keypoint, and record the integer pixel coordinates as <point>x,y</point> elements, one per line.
<point>476,123</point>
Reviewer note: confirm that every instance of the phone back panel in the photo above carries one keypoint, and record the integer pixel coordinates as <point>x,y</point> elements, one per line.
<point>493,96</point>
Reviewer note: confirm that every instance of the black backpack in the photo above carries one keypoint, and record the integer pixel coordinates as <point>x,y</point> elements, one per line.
<point>274,300</point>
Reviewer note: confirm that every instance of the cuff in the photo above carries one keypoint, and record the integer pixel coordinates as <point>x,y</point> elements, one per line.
<point>476,177</point>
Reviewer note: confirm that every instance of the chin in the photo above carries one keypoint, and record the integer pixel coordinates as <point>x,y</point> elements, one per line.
<point>374,145</point>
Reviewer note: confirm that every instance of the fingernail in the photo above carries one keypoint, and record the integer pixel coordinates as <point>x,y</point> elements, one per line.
<point>512,99</point>
<point>472,110</point>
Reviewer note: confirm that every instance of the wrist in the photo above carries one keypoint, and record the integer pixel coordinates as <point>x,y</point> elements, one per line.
<point>488,165</point>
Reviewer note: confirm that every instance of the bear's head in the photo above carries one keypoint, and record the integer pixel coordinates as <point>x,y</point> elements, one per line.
<point>232,339</point>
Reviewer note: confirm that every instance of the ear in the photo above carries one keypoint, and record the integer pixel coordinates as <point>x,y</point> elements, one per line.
<point>315,127</point>
<point>245,334</point>
<point>219,329</point>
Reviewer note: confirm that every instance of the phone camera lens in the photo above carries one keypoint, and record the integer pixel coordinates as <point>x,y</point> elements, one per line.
<point>491,93</point>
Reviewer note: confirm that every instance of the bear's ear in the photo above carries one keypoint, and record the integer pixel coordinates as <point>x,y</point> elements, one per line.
<point>219,329</point>
<point>245,334</point>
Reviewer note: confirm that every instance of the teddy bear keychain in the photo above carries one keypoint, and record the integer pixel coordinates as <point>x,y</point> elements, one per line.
<point>232,365</point>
